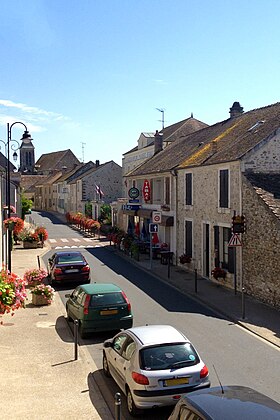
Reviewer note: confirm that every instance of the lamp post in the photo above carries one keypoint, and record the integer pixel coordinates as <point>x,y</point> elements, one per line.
<point>14,145</point>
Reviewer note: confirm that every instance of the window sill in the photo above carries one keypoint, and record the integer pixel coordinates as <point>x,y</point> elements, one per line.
<point>224,210</point>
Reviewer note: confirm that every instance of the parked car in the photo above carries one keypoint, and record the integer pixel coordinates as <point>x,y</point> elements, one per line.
<point>154,365</point>
<point>99,307</point>
<point>229,402</point>
<point>66,266</point>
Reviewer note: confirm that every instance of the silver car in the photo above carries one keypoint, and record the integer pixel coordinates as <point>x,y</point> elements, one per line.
<point>154,365</point>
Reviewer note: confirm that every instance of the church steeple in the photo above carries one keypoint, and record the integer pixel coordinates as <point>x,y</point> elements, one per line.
<point>27,154</point>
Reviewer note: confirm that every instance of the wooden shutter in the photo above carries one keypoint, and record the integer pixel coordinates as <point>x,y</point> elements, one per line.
<point>188,189</point>
<point>224,188</point>
<point>188,236</point>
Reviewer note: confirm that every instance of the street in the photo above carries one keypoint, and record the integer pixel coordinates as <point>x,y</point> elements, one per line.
<point>239,357</point>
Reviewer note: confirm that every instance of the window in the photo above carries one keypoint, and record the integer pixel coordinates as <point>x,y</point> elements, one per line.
<point>119,342</point>
<point>223,253</point>
<point>188,189</point>
<point>188,238</point>
<point>224,188</point>
<point>157,193</point>
<point>128,348</point>
<point>167,190</point>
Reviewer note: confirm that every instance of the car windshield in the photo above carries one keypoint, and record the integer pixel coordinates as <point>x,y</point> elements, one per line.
<point>168,356</point>
<point>107,299</point>
<point>69,259</point>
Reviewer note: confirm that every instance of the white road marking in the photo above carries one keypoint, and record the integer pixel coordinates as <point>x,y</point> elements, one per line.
<point>76,240</point>
<point>64,240</point>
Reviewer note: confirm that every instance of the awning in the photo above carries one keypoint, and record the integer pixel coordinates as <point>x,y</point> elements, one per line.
<point>145,213</point>
<point>129,212</point>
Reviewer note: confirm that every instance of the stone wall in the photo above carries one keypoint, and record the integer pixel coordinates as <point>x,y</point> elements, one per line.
<point>205,209</point>
<point>261,248</point>
<point>266,156</point>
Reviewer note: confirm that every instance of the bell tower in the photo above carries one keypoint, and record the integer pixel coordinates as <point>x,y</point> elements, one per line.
<point>27,154</point>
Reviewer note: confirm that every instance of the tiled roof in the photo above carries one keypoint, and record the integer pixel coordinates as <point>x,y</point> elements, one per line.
<point>222,142</point>
<point>174,131</point>
<point>56,160</point>
<point>29,182</point>
<point>3,162</point>
<point>267,186</point>
<point>182,128</point>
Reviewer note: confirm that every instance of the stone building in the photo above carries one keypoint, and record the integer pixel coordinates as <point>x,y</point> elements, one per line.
<point>207,177</point>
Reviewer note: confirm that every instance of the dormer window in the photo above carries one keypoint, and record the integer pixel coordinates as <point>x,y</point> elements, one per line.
<point>253,128</point>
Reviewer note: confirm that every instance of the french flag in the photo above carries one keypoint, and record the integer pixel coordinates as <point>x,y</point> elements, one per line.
<point>99,191</point>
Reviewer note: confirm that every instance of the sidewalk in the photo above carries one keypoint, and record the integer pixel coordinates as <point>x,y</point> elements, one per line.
<point>40,378</point>
<point>259,318</point>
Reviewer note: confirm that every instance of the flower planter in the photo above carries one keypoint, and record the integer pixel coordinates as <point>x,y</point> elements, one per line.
<point>39,300</point>
<point>30,245</point>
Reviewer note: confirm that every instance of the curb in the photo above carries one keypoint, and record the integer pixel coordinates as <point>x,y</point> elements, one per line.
<point>198,299</point>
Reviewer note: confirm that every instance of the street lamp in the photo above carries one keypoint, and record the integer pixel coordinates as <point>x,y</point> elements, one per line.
<point>14,145</point>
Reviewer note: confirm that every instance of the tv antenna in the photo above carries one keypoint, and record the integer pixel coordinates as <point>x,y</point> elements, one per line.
<point>162,116</point>
<point>83,151</point>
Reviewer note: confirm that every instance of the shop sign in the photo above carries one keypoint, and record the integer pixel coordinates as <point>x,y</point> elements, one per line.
<point>146,190</point>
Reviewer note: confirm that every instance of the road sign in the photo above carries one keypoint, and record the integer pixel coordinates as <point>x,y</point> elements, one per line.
<point>235,240</point>
<point>153,228</point>
<point>133,192</point>
<point>156,216</point>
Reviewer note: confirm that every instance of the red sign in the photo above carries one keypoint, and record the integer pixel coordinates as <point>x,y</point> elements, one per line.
<point>146,190</point>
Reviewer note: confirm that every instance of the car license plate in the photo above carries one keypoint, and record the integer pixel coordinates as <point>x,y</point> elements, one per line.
<point>177,381</point>
<point>109,312</point>
<point>72,270</point>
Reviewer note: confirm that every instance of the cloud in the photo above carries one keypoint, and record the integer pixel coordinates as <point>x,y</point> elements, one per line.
<point>160,81</point>
<point>31,109</point>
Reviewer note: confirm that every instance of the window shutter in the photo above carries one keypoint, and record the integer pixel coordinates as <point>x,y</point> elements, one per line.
<point>217,246</point>
<point>224,188</point>
<point>188,189</point>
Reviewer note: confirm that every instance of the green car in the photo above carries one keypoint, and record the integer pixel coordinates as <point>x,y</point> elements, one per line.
<point>99,307</point>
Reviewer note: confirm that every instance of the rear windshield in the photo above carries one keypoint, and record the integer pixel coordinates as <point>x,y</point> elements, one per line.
<point>69,259</point>
<point>107,299</point>
<point>168,356</point>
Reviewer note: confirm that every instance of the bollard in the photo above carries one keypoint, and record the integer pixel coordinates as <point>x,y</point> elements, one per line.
<point>118,406</point>
<point>38,259</point>
<point>76,328</point>
<point>195,280</point>
<point>243,302</point>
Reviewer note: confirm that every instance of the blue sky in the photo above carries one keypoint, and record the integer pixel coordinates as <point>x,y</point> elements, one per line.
<point>94,71</point>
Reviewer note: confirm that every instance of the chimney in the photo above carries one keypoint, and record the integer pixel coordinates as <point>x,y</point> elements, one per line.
<point>236,110</point>
<point>158,142</point>
<point>97,163</point>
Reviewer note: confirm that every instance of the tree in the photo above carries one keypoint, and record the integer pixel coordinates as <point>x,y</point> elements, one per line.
<point>105,214</point>
<point>26,206</point>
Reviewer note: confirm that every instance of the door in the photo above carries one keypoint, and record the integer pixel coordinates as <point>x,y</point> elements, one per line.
<point>206,249</point>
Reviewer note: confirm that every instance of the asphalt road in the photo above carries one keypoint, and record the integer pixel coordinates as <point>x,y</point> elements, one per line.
<point>239,357</point>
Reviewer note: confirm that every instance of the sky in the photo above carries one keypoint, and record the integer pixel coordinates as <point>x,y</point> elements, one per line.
<point>89,75</point>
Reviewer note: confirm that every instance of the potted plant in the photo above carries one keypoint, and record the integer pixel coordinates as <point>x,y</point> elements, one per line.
<point>34,276</point>
<point>185,259</point>
<point>42,233</point>
<point>42,294</point>
<point>29,238</point>
<point>12,292</point>
<point>218,273</point>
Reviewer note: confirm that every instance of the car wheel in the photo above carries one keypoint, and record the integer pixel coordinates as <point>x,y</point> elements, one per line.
<point>132,409</point>
<point>106,367</point>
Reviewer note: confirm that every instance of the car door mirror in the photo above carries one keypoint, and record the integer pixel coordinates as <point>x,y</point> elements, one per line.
<point>68,295</point>
<point>108,344</point>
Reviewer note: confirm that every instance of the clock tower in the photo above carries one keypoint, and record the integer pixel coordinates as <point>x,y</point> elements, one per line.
<point>27,154</point>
